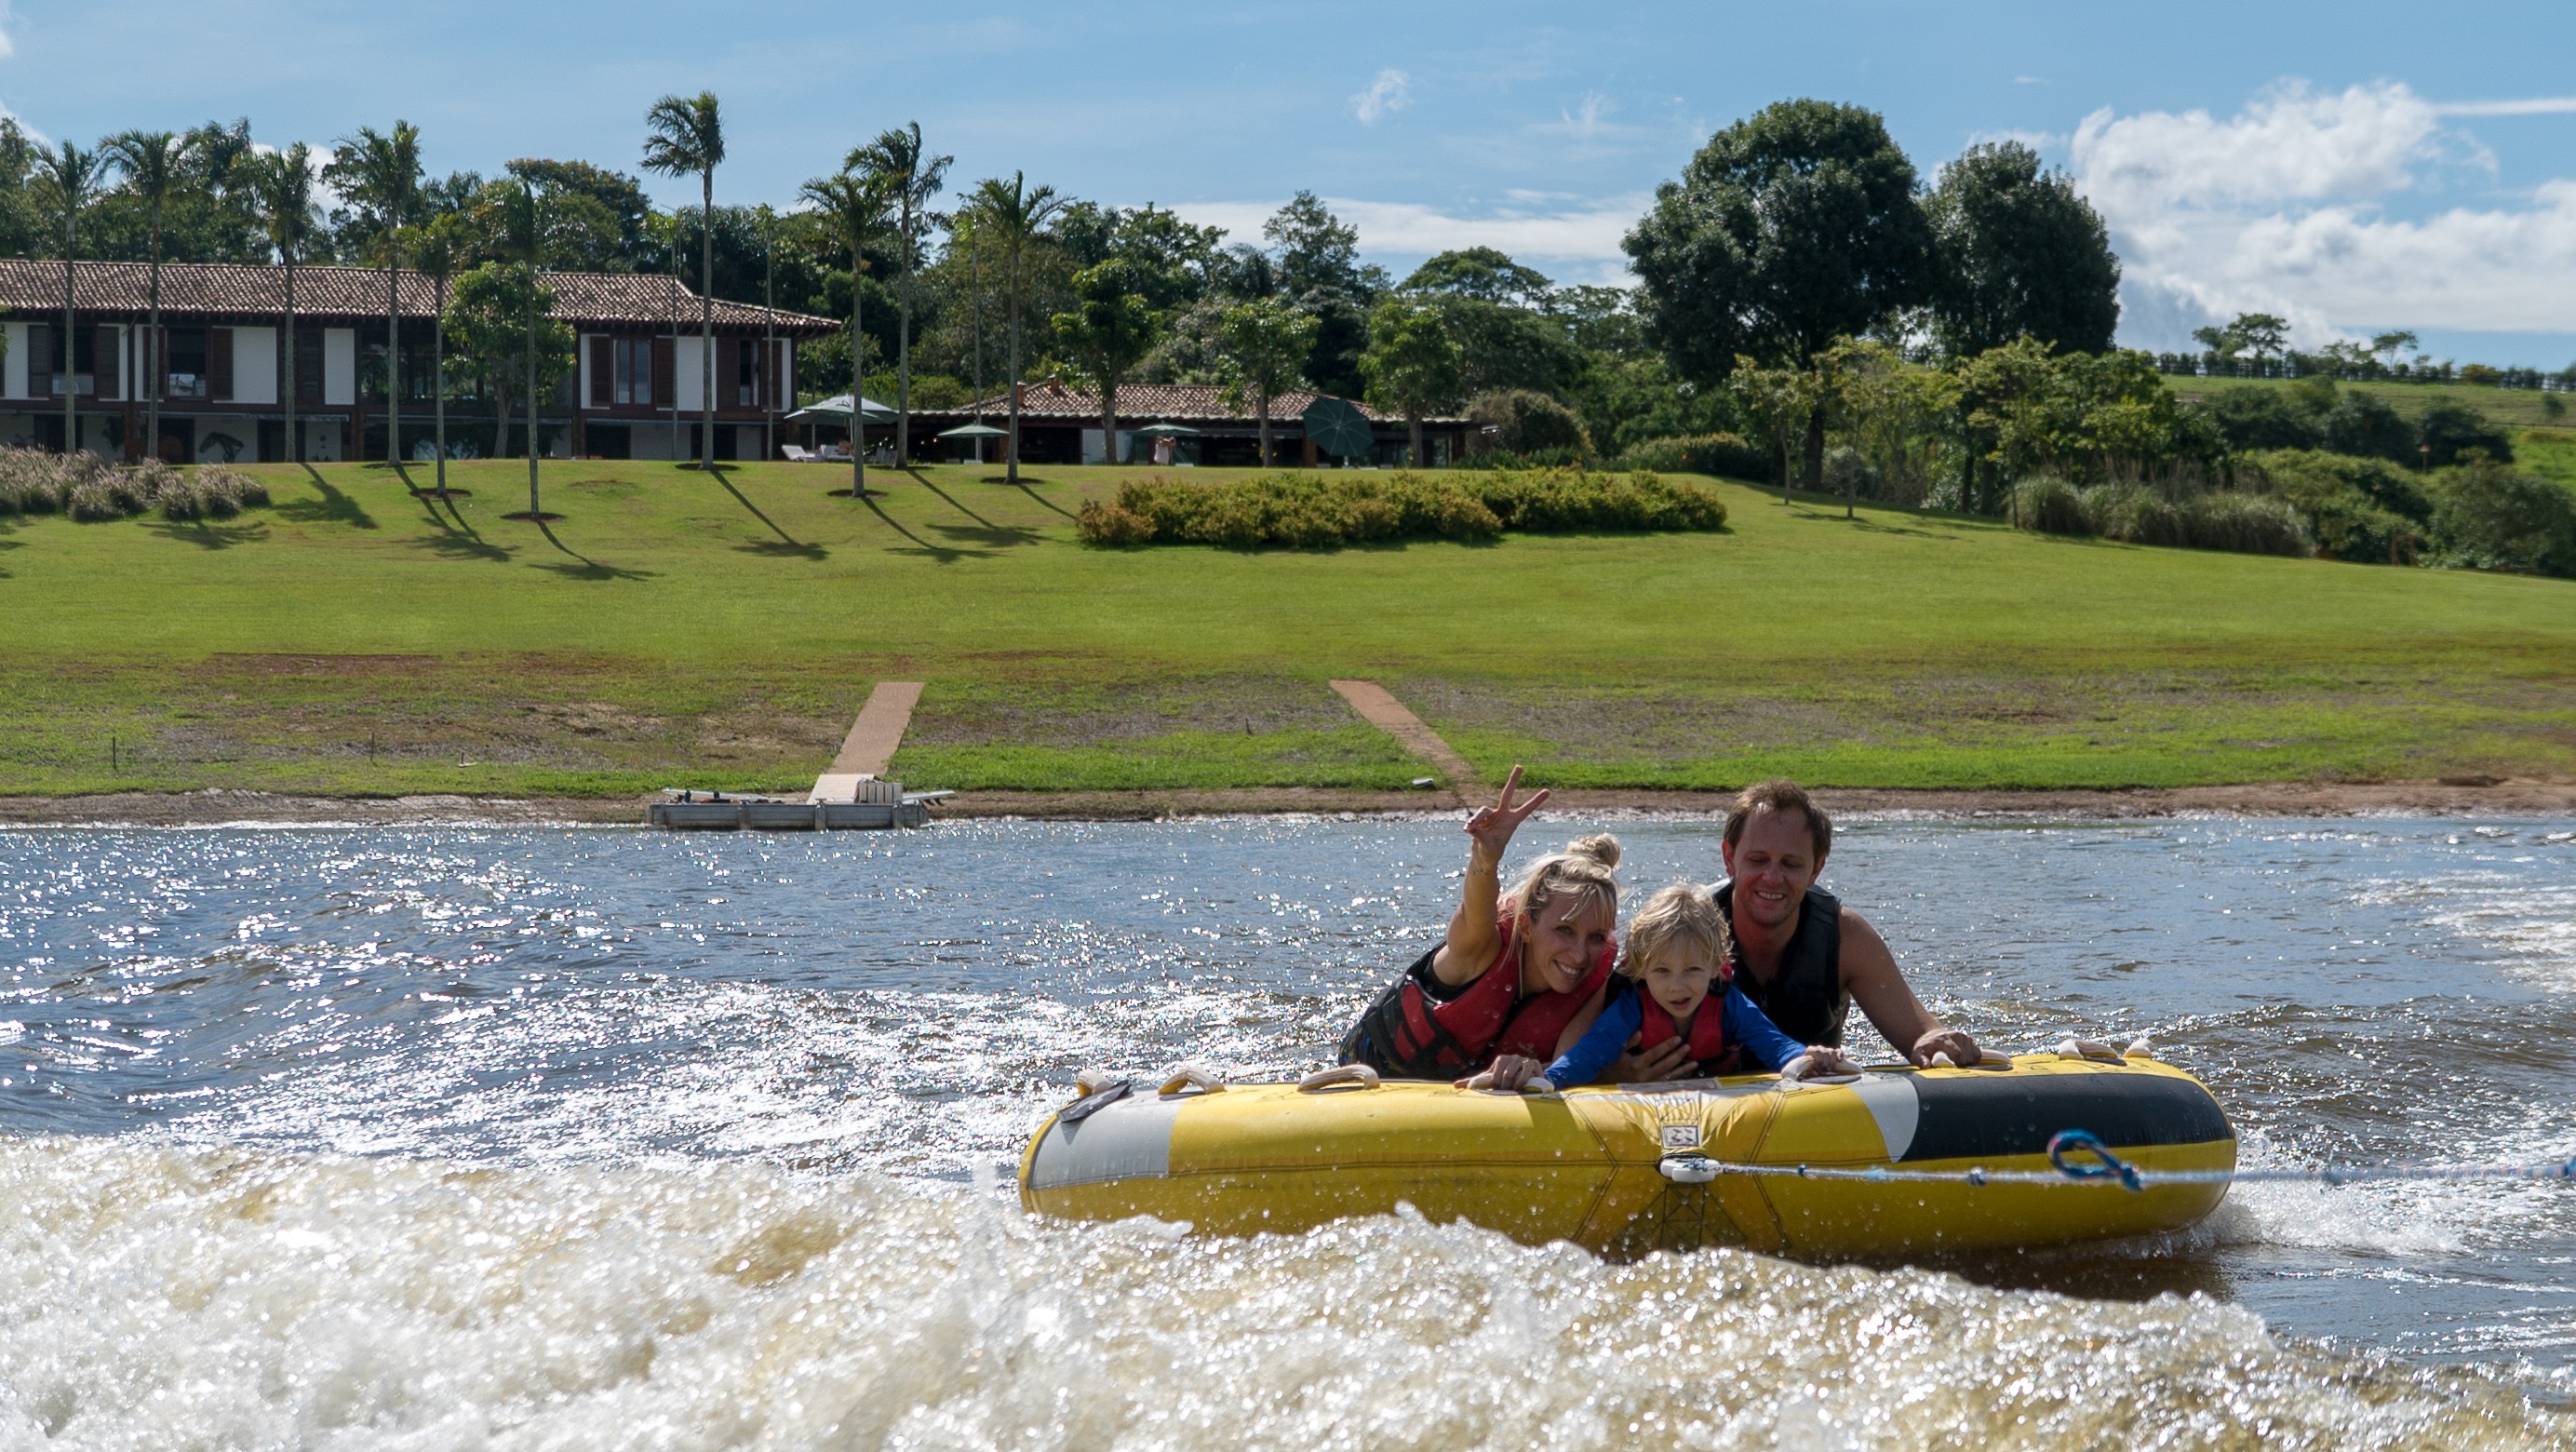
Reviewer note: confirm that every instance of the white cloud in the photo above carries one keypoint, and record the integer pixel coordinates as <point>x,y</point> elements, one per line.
<point>8,18</point>
<point>1391,91</point>
<point>1576,236</point>
<point>1589,118</point>
<point>2284,208</point>
<point>2531,106</point>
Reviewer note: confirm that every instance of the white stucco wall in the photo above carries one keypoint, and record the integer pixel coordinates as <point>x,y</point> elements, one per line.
<point>254,366</point>
<point>339,367</point>
<point>686,373</point>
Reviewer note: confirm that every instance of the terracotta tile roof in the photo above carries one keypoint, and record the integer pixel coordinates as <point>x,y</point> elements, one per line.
<point>34,289</point>
<point>1177,402</point>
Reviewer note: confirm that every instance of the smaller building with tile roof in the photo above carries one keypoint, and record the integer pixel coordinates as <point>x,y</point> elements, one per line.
<point>1060,424</point>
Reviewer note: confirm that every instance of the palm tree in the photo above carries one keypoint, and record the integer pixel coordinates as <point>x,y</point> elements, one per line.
<point>69,177</point>
<point>436,249</point>
<point>913,179</point>
<point>281,186</point>
<point>853,207</point>
<point>156,166</point>
<point>1015,211</point>
<point>768,331</point>
<point>382,174</point>
<point>685,134</point>
<point>520,230</point>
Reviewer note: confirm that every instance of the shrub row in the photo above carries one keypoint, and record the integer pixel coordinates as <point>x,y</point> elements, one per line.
<point>89,489</point>
<point>1721,454</point>
<point>2220,519</point>
<point>1319,512</point>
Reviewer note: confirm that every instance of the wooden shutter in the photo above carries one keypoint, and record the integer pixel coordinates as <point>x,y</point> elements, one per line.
<point>663,389</point>
<point>728,372</point>
<point>107,361</point>
<point>219,364</point>
<point>40,359</point>
<point>603,371</point>
<point>308,365</point>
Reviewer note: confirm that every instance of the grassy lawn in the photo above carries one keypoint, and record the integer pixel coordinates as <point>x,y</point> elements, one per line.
<point>676,629</point>
<point>2514,407</point>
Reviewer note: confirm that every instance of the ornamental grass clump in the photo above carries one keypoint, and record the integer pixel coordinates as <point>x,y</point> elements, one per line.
<point>92,490</point>
<point>1322,512</point>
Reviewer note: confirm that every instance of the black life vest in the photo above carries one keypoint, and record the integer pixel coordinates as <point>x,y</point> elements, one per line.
<point>1422,1028</point>
<point>1712,1052</point>
<point>1805,998</point>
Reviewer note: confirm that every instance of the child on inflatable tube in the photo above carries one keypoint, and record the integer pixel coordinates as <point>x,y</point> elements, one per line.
<point>1676,981</point>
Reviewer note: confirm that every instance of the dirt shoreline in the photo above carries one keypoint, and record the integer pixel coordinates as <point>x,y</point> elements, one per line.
<point>2454,798</point>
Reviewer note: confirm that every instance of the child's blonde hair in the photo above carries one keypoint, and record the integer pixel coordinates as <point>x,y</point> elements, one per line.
<point>1677,915</point>
<point>1587,870</point>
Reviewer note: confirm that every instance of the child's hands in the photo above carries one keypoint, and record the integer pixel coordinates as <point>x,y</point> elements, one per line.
<point>1819,1062</point>
<point>1492,827</point>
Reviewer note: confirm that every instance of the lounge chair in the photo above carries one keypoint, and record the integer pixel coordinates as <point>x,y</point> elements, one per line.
<point>797,453</point>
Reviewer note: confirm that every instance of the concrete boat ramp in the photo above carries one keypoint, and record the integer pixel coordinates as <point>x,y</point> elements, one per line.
<point>850,795</point>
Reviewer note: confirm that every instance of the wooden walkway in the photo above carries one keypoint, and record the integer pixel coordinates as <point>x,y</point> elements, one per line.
<point>869,748</point>
<point>1389,715</point>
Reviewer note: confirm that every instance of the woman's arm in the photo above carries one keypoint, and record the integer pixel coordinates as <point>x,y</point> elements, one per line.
<point>1472,941</point>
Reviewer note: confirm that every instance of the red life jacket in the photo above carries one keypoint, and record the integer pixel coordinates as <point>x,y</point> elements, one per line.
<point>1421,1028</point>
<point>1709,1047</point>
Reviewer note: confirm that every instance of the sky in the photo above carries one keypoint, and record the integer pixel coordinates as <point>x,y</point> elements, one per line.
<point>2357,167</point>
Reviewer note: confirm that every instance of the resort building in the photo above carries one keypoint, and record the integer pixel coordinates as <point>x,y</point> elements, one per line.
<point>634,391</point>
<point>1060,424</point>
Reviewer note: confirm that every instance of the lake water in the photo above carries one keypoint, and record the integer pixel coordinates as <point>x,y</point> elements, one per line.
<point>454,1137</point>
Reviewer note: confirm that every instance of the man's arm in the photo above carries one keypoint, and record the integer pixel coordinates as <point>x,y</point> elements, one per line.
<point>1872,979</point>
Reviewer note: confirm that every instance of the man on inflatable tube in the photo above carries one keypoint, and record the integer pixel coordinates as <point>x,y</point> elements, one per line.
<point>1800,955</point>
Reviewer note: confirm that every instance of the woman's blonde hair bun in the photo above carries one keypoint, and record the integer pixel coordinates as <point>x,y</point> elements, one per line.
<point>1601,847</point>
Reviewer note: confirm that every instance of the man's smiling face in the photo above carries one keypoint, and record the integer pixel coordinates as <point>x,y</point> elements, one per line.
<point>1773,864</point>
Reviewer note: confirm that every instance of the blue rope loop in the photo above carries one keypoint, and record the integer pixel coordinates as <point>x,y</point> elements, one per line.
<point>2105,1166</point>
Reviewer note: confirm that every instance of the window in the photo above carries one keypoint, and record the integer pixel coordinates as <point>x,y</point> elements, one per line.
<point>187,363</point>
<point>634,369</point>
<point>746,370</point>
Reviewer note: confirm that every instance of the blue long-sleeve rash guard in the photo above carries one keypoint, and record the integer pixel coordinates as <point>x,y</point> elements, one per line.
<point>1746,1025</point>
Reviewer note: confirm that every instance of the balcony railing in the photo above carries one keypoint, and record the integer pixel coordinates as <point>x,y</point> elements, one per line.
<point>82,383</point>
<point>186,385</point>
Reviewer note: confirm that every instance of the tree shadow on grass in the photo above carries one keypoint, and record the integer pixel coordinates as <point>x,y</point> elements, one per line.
<point>455,538</point>
<point>1000,536</point>
<point>588,568</point>
<point>1042,499</point>
<point>207,535</point>
<point>333,507</point>
<point>944,554</point>
<point>786,544</point>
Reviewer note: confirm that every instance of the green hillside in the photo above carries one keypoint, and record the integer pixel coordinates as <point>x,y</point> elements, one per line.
<point>676,629</point>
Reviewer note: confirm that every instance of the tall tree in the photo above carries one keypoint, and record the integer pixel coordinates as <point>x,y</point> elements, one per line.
<point>1412,364</point>
<point>518,222</point>
<point>69,180</point>
<point>685,135</point>
<point>1108,332</point>
<point>852,207</point>
<point>281,185</point>
<point>1262,343</point>
<point>1483,272</point>
<point>1319,270</point>
<point>1794,227</point>
<point>2018,255</point>
<point>381,173</point>
<point>438,247</point>
<point>1014,211</point>
<point>156,165</point>
<point>912,178</point>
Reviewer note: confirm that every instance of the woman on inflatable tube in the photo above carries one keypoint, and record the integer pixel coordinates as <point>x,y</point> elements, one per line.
<point>1521,974</point>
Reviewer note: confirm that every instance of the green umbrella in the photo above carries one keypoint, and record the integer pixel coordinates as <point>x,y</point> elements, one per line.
<point>1168,430</point>
<point>1338,427</point>
<point>975,431</point>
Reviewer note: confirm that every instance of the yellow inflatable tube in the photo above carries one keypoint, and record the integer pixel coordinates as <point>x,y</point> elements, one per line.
<point>1590,1165</point>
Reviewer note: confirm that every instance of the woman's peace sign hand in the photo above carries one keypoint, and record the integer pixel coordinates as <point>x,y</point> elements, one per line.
<point>1493,826</point>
